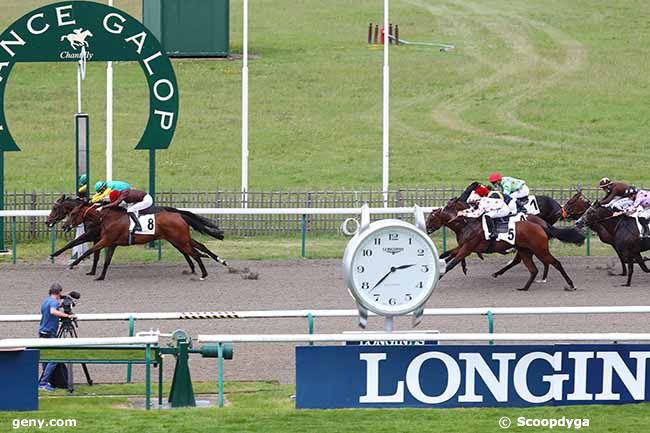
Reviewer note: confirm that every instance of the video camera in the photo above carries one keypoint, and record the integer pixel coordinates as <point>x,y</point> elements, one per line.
<point>69,301</point>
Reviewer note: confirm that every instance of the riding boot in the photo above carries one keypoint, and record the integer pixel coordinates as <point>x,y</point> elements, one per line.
<point>136,226</point>
<point>646,229</point>
<point>521,204</point>
<point>489,222</point>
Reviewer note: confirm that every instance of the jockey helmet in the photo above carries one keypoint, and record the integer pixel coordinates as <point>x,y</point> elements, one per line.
<point>482,191</point>
<point>496,194</point>
<point>604,182</point>
<point>83,179</point>
<point>114,195</point>
<point>495,177</point>
<point>100,186</point>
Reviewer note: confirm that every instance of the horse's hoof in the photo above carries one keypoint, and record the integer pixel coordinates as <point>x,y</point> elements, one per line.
<point>90,273</point>
<point>626,285</point>
<point>99,279</point>
<point>202,279</point>
<point>540,281</point>
<point>186,272</point>
<point>495,275</point>
<point>569,288</point>
<point>225,264</point>
<point>523,289</point>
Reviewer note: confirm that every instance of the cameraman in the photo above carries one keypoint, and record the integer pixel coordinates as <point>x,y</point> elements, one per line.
<point>49,327</point>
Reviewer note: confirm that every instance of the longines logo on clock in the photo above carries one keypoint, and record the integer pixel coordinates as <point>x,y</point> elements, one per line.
<point>393,251</point>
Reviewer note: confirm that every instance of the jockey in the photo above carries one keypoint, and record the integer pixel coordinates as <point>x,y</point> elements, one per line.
<point>515,188</point>
<point>489,206</point>
<point>617,196</point>
<point>475,196</point>
<point>639,209</point>
<point>82,192</point>
<point>136,201</point>
<point>103,189</point>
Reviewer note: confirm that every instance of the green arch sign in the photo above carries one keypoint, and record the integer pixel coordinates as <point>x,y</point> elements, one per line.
<point>63,32</point>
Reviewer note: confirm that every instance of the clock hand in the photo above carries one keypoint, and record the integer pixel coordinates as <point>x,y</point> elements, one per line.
<point>392,269</point>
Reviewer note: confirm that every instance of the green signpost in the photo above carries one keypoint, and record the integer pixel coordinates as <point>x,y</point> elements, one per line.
<point>66,31</point>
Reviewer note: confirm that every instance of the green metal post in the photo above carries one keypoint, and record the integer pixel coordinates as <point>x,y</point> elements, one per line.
<point>52,242</point>
<point>160,379</point>
<point>14,241</point>
<point>159,250</point>
<point>310,324</point>
<point>444,239</point>
<point>131,333</point>
<point>220,377</point>
<point>490,324</point>
<point>588,242</point>
<point>304,234</point>
<point>152,182</point>
<point>2,201</point>
<point>182,393</point>
<point>147,358</point>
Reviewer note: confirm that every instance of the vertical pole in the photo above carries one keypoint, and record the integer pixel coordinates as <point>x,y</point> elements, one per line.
<point>160,379</point>
<point>2,201</point>
<point>147,358</point>
<point>14,242</point>
<point>310,325</point>
<point>588,241</point>
<point>244,113</point>
<point>220,377</point>
<point>386,147</point>
<point>129,367</point>
<point>304,235</point>
<point>109,117</point>
<point>52,242</point>
<point>79,89</point>
<point>490,317</point>
<point>152,182</point>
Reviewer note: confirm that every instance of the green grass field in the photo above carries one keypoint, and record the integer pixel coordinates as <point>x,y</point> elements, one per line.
<point>552,91</point>
<point>267,407</point>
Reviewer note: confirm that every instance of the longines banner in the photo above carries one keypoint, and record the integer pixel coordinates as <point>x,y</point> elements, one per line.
<point>470,376</point>
<point>68,31</point>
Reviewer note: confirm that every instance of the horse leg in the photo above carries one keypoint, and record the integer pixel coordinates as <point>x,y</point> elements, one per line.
<point>624,271</point>
<point>189,262</point>
<point>527,258</point>
<point>641,263</point>
<point>547,258</point>
<point>107,262</point>
<point>460,256</point>
<point>514,262</point>
<point>201,247</point>
<point>630,270</point>
<point>73,243</point>
<point>95,248</point>
<point>187,249</point>
<point>95,261</point>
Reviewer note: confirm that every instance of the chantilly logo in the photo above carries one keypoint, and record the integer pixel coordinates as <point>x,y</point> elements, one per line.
<point>78,40</point>
<point>393,251</point>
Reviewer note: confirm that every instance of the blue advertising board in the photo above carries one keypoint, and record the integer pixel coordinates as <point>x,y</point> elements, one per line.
<point>19,378</point>
<point>440,376</point>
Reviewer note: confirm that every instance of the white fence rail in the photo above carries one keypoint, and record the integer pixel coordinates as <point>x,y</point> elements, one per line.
<point>323,338</point>
<point>20,343</point>
<point>288,314</point>
<point>257,211</point>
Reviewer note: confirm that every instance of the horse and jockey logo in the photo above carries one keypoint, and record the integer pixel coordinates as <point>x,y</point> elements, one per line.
<point>78,38</point>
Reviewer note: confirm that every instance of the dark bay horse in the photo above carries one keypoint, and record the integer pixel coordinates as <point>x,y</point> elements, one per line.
<point>171,225</point>
<point>625,236</point>
<point>62,208</point>
<point>532,240</point>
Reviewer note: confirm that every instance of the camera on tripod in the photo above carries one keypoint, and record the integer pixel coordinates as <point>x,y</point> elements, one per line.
<point>69,302</point>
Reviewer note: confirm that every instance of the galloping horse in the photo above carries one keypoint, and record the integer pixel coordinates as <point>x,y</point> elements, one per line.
<point>62,208</point>
<point>531,240</point>
<point>172,225</point>
<point>625,236</point>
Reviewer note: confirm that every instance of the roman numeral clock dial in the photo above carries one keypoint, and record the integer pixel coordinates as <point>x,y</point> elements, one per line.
<point>391,267</point>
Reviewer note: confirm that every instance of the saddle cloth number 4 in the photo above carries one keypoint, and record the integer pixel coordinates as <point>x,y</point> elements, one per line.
<point>148,224</point>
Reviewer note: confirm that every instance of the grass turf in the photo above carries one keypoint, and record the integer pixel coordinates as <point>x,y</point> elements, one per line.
<point>267,407</point>
<point>551,91</point>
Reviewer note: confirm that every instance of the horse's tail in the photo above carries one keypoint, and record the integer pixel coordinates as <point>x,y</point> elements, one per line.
<point>198,223</point>
<point>568,235</point>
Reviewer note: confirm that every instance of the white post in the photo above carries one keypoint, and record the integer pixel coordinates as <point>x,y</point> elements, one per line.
<point>79,87</point>
<point>244,113</point>
<point>386,149</point>
<point>109,117</point>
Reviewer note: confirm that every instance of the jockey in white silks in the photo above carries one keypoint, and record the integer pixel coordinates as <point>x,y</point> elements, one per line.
<point>640,209</point>
<point>487,206</point>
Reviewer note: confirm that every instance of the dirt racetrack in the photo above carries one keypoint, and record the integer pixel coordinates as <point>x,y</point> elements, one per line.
<point>308,284</point>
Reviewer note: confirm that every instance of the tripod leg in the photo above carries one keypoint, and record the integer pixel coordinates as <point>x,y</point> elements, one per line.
<point>89,381</point>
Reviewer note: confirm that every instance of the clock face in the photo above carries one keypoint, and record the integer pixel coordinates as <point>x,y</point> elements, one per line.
<point>393,269</point>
